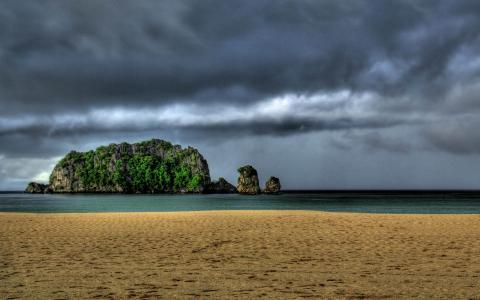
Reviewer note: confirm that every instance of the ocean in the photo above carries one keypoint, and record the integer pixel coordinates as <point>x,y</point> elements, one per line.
<point>411,202</point>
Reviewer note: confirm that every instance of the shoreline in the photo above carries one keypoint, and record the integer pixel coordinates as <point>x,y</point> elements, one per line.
<point>242,211</point>
<point>239,254</point>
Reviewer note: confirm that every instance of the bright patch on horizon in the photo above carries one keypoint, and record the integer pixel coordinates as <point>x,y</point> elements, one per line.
<point>42,177</point>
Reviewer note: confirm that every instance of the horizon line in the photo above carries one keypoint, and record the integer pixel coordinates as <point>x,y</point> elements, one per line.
<point>306,191</point>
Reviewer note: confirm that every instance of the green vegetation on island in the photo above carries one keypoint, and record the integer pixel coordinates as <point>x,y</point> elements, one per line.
<point>154,166</point>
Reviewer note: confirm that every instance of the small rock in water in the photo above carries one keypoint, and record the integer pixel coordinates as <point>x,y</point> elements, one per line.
<point>37,188</point>
<point>272,186</point>
<point>222,187</point>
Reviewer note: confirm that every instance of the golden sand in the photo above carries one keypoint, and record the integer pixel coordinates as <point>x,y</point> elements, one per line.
<point>239,254</point>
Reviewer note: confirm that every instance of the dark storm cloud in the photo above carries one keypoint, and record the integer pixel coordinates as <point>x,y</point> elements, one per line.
<point>76,55</point>
<point>215,130</point>
<point>455,136</point>
<point>373,141</point>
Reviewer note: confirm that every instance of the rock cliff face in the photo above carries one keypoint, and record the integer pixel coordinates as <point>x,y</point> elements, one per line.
<point>272,186</point>
<point>248,181</point>
<point>154,166</point>
<point>37,188</point>
<point>221,187</point>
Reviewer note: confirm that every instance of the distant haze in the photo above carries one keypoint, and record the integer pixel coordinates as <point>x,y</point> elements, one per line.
<point>323,94</point>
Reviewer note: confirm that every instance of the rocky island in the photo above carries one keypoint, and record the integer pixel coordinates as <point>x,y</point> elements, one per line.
<point>221,187</point>
<point>272,186</point>
<point>154,166</point>
<point>248,181</point>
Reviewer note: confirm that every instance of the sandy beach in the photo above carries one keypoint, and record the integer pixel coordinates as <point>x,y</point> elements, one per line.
<point>239,254</point>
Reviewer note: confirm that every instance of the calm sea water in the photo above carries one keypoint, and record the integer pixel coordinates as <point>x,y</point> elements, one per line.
<point>373,202</point>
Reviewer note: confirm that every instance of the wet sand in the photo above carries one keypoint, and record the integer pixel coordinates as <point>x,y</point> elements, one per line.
<point>239,254</point>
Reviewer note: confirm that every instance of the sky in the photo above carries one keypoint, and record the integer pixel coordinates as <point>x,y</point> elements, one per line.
<point>358,94</point>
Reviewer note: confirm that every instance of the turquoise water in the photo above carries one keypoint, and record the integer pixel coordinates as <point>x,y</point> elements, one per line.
<point>372,202</point>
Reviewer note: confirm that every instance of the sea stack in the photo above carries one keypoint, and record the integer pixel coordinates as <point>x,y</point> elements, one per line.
<point>248,181</point>
<point>272,186</point>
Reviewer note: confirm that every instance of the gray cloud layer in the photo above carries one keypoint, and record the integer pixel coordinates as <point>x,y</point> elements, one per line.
<point>78,55</point>
<point>78,73</point>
